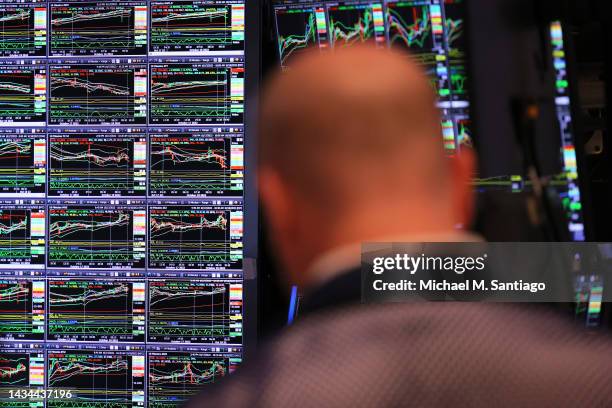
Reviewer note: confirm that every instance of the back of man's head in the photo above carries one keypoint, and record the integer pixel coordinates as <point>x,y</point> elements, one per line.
<point>351,150</point>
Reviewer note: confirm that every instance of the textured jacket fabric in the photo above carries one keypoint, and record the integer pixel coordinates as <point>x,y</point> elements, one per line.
<point>425,355</point>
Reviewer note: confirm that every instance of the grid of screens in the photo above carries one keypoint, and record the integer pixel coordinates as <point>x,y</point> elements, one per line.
<point>121,200</point>
<point>433,32</point>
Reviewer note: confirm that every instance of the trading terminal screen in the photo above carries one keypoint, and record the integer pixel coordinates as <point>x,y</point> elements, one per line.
<point>121,200</point>
<point>434,34</point>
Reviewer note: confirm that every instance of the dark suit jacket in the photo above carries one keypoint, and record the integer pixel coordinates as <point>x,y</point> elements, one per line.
<point>423,355</point>
<point>342,291</point>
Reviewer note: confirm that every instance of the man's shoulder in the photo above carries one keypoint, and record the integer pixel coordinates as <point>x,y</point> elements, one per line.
<point>424,352</point>
<point>385,354</point>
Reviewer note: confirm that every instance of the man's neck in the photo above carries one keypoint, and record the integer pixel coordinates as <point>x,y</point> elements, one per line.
<point>343,258</point>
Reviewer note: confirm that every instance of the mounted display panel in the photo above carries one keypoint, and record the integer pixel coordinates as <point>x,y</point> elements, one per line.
<point>434,33</point>
<point>124,153</point>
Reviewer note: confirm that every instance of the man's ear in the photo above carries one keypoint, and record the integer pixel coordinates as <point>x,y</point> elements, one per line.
<point>276,200</point>
<point>463,170</point>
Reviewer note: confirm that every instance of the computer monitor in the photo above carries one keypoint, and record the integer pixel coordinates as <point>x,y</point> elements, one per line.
<point>123,238</point>
<point>434,32</point>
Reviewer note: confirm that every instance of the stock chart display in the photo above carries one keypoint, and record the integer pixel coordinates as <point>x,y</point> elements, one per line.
<point>203,235</point>
<point>96,310</point>
<point>82,235</point>
<point>98,94</point>
<point>122,149</point>
<point>22,309</point>
<point>23,30</point>
<point>176,375</point>
<point>22,366</point>
<point>299,27</point>
<point>432,31</point>
<point>22,162</point>
<point>195,310</point>
<point>187,94</point>
<point>196,162</point>
<point>22,234</point>
<point>23,93</point>
<point>99,28</point>
<point>355,23</point>
<point>97,163</point>
<point>570,186</point>
<point>96,377</point>
<point>196,27</point>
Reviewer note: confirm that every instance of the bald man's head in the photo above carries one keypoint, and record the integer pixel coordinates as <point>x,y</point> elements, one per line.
<point>337,118</point>
<point>351,147</point>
